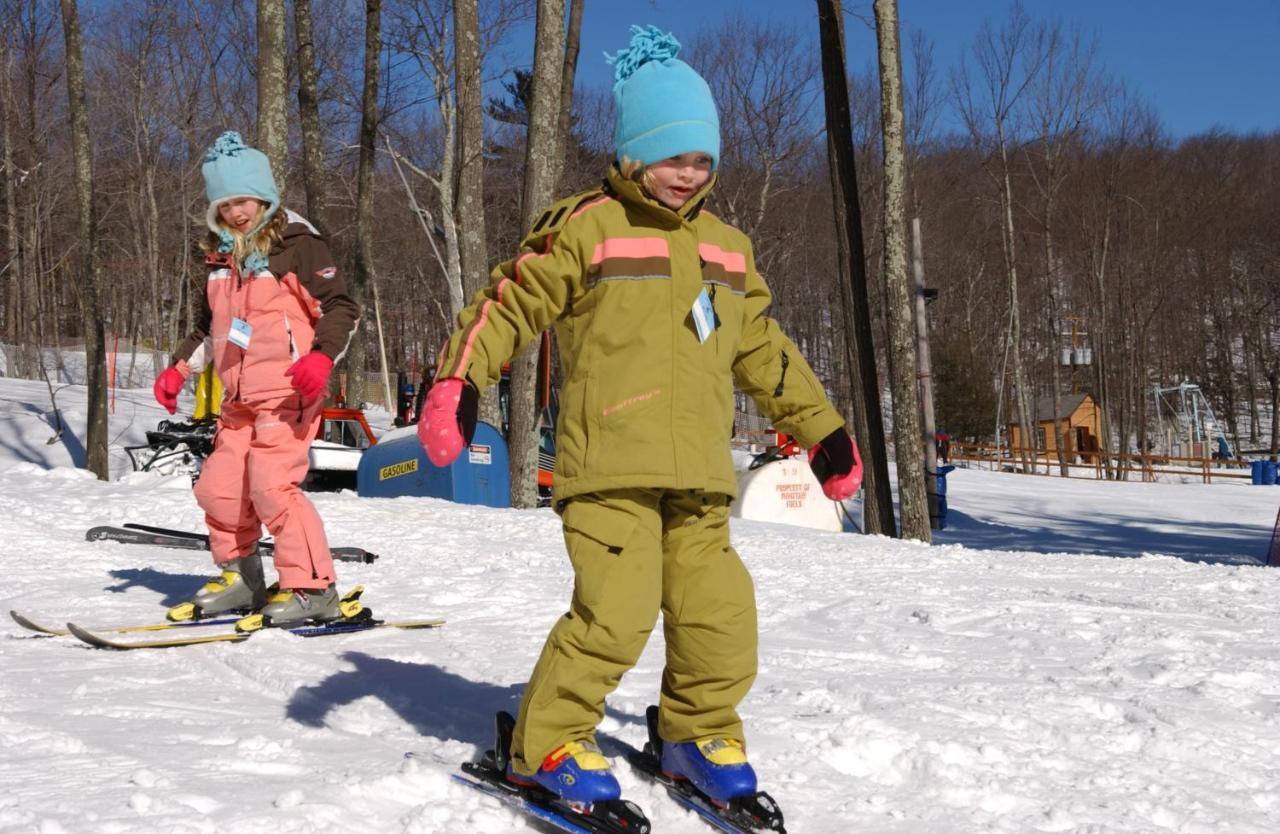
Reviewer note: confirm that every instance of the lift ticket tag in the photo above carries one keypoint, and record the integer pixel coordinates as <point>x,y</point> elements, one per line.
<point>240,333</point>
<point>704,316</point>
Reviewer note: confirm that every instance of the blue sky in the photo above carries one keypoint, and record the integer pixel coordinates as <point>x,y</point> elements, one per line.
<point>1200,63</point>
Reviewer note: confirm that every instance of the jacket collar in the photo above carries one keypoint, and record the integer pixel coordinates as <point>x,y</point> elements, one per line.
<point>632,193</point>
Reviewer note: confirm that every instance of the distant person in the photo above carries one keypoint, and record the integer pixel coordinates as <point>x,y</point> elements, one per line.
<point>942,442</point>
<point>274,317</point>
<point>658,311</point>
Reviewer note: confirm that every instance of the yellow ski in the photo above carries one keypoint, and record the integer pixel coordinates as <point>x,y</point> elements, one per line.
<point>316,630</point>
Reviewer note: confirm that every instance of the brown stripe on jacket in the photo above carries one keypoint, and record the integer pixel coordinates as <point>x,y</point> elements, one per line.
<point>628,268</point>
<point>714,273</point>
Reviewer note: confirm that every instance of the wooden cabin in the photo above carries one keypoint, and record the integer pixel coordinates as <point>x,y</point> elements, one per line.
<point>1083,425</point>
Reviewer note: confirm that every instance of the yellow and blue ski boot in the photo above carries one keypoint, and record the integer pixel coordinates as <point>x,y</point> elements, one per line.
<point>576,772</point>
<point>716,766</point>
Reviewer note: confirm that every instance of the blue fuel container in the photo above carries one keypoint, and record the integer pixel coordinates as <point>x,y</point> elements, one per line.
<point>397,465</point>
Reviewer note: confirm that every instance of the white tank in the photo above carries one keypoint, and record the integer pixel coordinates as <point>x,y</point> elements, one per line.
<point>786,491</point>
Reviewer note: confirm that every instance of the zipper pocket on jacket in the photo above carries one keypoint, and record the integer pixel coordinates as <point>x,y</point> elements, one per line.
<point>786,360</point>
<point>293,348</point>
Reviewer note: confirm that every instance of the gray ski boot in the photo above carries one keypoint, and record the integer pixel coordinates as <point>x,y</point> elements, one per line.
<point>239,588</point>
<point>292,608</point>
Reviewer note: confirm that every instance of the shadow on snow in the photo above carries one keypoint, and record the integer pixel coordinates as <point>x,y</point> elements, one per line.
<point>28,451</point>
<point>1218,543</point>
<point>176,587</point>
<point>434,701</point>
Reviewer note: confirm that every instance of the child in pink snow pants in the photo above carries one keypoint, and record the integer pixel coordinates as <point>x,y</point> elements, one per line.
<point>275,317</point>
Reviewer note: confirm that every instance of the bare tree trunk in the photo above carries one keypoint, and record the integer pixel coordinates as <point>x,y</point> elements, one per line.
<point>1273,382</point>
<point>309,116</point>
<point>1103,249</point>
<point>572,46</point>
<point>364,270</point>
<point>913,505</point>
<point>13,266</point>
<point>928,427</point>
<point>472,248</point>
<point>92,314</point>
<point>542,164</point>
<point>445,185</point>
<point>1051,298</point>
<point>1251,374</point>
<point>470,108</point>
<point>382,347</point>
<point>1008,232</point>
<point>851,258</point>
<point>273,107</point>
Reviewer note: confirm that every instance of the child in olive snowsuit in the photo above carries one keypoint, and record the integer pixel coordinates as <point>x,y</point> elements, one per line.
<point>658,310</point>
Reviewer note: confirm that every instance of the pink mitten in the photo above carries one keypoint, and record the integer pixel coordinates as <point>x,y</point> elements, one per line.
<point>836,463</point>
<point>168,384</point>
<point>310,374</point>
<point>448,420</point>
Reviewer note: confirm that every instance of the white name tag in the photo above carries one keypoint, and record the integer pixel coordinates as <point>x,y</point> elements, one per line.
<point>241,332</point>
<point>704,316</point>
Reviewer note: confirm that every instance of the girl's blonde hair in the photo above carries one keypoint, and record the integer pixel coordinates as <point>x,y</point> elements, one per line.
<point>261,242</point>
<point>636,171</point>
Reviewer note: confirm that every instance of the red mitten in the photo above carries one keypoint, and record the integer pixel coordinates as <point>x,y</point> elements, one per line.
<point>168,384</point>
<point>310,374</point>
<point>448,420</point>
<point>836,463</point>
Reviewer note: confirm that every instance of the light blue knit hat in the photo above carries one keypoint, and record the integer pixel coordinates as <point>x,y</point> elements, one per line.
<point>232,169</point>
<point>664,107</point>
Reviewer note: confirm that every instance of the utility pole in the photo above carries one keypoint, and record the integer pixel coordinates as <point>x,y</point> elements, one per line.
<point>851,260</point>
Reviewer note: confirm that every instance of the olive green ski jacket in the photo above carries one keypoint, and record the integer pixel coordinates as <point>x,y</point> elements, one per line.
<point>646,400</point>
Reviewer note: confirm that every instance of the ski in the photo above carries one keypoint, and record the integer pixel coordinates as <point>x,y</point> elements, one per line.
<point>744,815</point>
<point>184,540</point>
<point>488,776</point>
<point>512,797</point>
<point>352,626</point>
<point>186,534</point>
<point>54,631</point>
<point>129,536</point>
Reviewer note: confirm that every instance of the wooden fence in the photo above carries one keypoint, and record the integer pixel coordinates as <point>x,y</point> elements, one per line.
<point>1098,465</point>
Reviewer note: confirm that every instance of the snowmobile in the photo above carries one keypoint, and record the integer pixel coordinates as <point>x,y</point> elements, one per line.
<point>176,447</point>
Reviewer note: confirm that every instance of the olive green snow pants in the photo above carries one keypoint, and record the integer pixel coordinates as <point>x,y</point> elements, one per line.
<point>635,552</point>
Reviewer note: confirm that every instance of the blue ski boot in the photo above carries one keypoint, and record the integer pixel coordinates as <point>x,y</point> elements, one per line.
<point>573,790</point>
<point>576,772</point>
<point>717,767</point>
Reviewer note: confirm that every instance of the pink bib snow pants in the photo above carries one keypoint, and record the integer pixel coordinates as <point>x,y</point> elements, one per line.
<point>259,458</point>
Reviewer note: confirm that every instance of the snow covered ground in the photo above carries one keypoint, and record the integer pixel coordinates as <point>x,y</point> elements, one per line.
<point>1072,656</point>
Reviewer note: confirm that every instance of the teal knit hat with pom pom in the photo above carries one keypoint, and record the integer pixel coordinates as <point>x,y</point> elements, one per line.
<point>232,169</point>
<point>664,107</point>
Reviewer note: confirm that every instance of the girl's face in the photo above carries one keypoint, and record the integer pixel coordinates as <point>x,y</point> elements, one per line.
<point>242,213</point>
<point>674,180</point>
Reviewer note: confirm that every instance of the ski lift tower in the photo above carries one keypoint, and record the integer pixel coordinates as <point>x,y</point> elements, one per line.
<point>1183,415</point>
